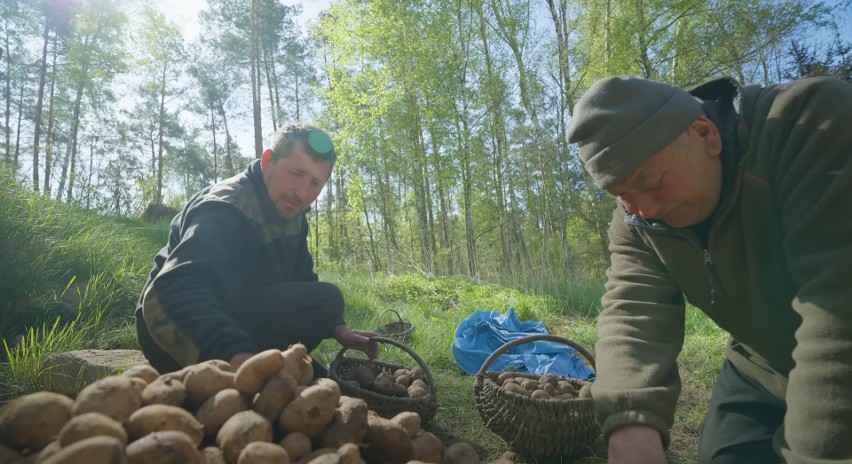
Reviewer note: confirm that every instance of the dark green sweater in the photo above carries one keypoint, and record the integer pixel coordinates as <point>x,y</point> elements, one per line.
<point>775,272</point>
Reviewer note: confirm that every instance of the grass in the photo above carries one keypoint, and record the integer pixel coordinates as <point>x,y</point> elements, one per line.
<point>69,279</point>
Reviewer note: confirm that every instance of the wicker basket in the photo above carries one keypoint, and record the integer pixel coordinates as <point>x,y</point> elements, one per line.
<point>542,427</point>
<point>399,330</point>
<point>385,406</point>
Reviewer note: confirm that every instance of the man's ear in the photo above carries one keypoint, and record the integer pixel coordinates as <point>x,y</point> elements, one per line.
<point>709,133</point>
<point>266,160</point>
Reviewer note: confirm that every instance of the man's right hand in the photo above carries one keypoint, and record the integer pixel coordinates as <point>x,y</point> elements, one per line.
<point>238,359</point>
<point>636,444</point>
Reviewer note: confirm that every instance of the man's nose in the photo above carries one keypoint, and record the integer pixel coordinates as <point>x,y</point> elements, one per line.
<point>645,205</point>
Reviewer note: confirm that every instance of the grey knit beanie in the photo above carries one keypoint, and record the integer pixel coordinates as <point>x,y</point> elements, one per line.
<point>622,121</point>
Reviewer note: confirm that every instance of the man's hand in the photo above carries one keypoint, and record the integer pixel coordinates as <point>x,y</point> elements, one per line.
<point>357,340</point>
<point>636,444</point>
<point>238,359</point>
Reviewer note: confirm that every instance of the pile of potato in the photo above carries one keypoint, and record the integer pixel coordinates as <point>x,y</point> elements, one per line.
<point>269,411</point>
<point>411,383</point>
<point>548,386</point>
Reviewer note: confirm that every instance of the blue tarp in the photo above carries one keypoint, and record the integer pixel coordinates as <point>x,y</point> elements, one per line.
<point>480,334</point>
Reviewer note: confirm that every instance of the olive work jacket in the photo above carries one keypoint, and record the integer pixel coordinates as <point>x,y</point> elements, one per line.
<point>775,272</point>
<point>228,237</point>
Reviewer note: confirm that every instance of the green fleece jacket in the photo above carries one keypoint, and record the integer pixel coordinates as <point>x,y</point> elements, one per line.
<point>775,272</point>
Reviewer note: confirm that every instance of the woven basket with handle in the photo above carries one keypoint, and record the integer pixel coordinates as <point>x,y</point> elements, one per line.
<point>386,406</point>
<point>399,330</point>
<point>543,427</point>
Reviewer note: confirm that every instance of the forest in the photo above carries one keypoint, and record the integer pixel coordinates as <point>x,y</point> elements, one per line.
<point>450,115</point>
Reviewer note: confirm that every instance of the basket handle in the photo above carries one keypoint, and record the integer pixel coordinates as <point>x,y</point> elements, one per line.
<point>532,338</point>
<point>379,319</point>
<point>432,388</point>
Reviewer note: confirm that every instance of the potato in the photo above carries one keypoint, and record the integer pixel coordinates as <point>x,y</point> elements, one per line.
<point>530,384</point>
<point>329,382</point>
<point>408,420</point>
<point>460,453</point>
<point>93,450</point>
<point>549,388</point>
<point>211,455</point>
<point>540,395</point>
<point>142,371</point>
<point>297,364</point>
<point>364,376</point>
<point>139,383</point>
<point>163,447</point>
<point>549,378</point>
<point>349,424</point>
<point>564,386</point>
<point>204,381</point>
<point>177,375</point>
<point>261,452</point>
<point>45,452</point>
<point>32,421</point>
<point>164,390</point>
<point>89,425</point>
<point>402,371</point>
<point>114,396</point>
<point>223,365</point>
<point>404,380</point>
<point>160,418</point>
<point>417,390</point>
<point>253,374</point>
<point>322,455</point>
<point>12,456</point>
<point>240,430</point>
<point>275,396</point>
<point>327,458</point>
<point>311,411</point>
<point>514,388</point>
<point>384,383</point>
<point>298,445</point>
<point>585,391</point>
<point>427,448</point>
<point>219,408</point>
<point>503,376</point>
<point>418,374</point>
<point>388,442</point>
<point>350,454</point>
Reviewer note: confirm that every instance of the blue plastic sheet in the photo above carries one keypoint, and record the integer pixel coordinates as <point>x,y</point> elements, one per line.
<point>480,334</point>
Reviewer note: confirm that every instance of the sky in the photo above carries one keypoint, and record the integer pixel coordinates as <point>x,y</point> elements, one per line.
<point>185,12</point>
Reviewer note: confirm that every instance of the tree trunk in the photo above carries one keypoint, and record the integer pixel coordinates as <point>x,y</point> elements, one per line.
<point>8,114</point>
<point>48,149</point>
<point>215,147</point>
<point>158,198</point>
<point>68,175</point>
<point>42,77</point>
<point>15,159</point>
<point>229,156</point>
<point>255,81</point>
<point>269,85</point>
<point>498,136</point>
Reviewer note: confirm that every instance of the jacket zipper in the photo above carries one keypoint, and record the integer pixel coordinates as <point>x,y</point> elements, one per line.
<point>708,261</point>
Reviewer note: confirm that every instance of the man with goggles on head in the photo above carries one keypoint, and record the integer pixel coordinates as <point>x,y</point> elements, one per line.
<point>236,277</point>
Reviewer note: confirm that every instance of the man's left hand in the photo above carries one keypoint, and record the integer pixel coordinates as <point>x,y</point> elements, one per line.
<point>357,340</point>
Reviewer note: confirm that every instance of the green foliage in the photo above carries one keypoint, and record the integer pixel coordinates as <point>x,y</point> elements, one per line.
<point>55,257</point>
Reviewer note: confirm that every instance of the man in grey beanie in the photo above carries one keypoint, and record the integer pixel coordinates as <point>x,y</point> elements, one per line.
<point>736,200</point>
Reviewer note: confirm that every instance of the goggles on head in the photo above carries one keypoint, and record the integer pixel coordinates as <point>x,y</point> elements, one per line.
<point>320,143</point>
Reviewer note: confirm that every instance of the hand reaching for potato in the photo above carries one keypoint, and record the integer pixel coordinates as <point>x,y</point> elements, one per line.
<point>357,340</point>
